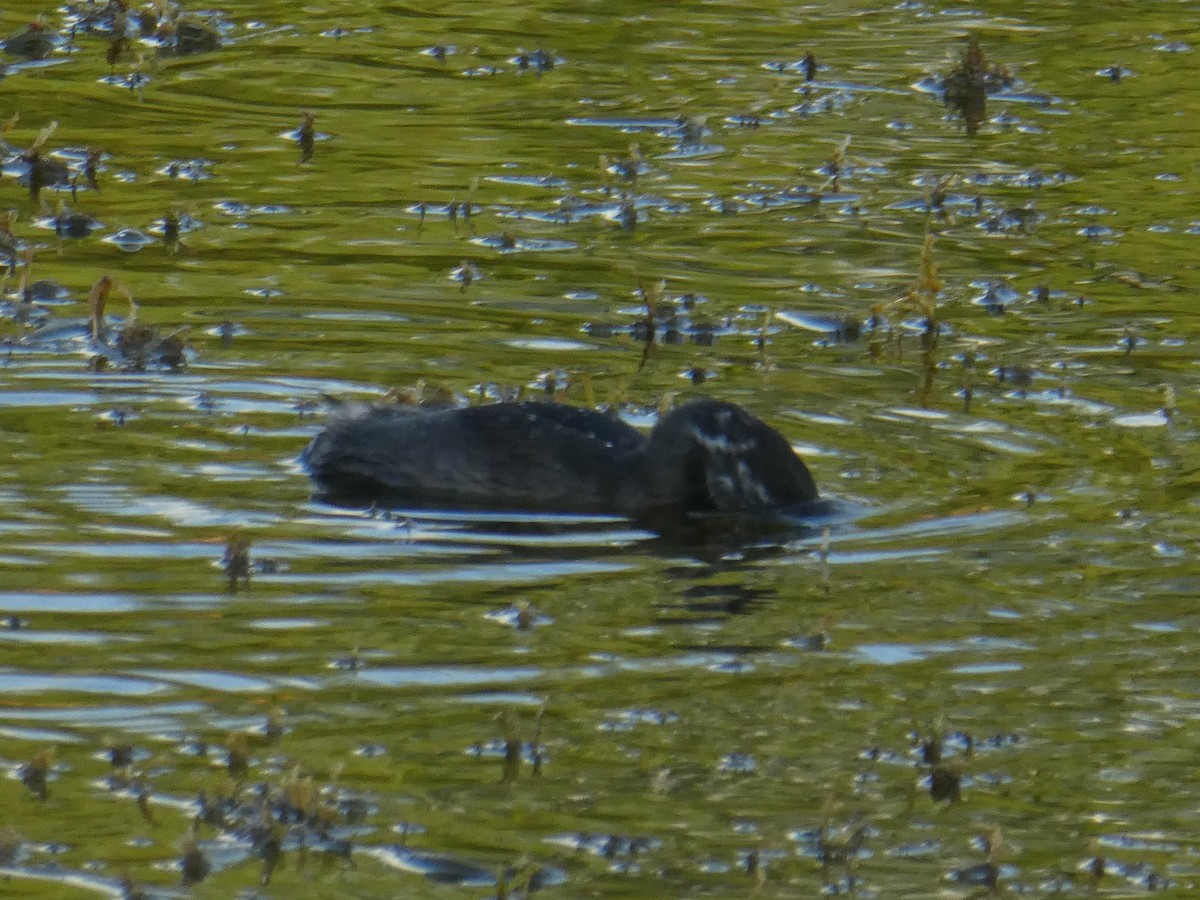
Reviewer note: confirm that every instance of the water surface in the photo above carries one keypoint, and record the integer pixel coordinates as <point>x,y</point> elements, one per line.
<point>997,639</point>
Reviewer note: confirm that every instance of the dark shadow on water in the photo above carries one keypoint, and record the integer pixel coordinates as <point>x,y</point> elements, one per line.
<point>731,540</point>
<point>722,540</point>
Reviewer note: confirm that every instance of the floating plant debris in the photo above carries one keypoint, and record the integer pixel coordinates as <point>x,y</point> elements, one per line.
<point>67,223</point>
<point>306,136</point>
<point>972,79</point>
<point>34,42</point>
<point>130,344</point>
<point>236,559</point>
<point>41,169</point>
<point>183,37</point>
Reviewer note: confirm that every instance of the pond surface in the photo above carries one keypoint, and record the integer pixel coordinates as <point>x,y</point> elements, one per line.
<point>983,673</point>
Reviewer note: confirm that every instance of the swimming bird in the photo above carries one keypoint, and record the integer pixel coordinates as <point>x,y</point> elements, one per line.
<point>702,456</point>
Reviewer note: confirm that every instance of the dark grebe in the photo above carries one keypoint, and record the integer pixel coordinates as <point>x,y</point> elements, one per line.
<point>702,456</point>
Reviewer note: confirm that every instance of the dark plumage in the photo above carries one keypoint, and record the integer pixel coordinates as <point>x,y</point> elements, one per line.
<point>705,455</point>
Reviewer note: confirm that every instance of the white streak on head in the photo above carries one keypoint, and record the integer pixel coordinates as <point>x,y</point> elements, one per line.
<point>721,443</point>
<point>751,485</point>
